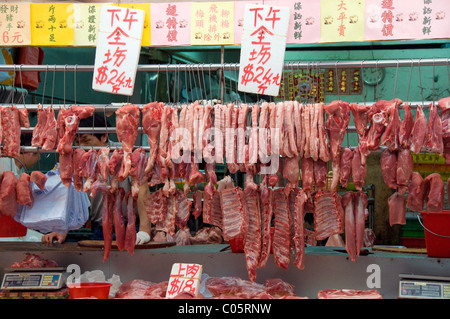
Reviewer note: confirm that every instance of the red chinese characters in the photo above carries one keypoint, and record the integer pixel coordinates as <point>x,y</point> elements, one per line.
<point>184,278</point>
<point>342,17</point>
<point>171,22</point>
<point>387,17</point>
<point>118,50</point>
<point>260,71</point>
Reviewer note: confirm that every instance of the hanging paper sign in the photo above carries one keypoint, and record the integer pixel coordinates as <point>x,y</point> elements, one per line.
<point>52,24</point>
<point>15,24</point>
<point>184,278</point>
<point>262,50</point>
<point>171,23</point>
<point>212,23</point>
<point>304,24</point>
<point>239,9</point>
<point>415,19</point>
<point>342,20</point>
<point>146,33</point>
<point>435,22</point>
<point>118,49</point>
<point>86,17</point>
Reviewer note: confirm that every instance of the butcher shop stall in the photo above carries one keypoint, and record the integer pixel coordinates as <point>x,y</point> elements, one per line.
<point>290,149</point>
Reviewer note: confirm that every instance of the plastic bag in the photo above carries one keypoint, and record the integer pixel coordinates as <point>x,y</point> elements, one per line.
<point>55,209</point>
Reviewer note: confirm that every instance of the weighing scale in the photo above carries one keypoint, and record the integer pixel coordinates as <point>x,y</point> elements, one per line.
<point>423,287</point>
<point>46,282</point>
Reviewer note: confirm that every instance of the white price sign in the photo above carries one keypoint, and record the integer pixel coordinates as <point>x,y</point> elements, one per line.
<point>262,49</point>
<point>184,278</point>
<point>118,48</point>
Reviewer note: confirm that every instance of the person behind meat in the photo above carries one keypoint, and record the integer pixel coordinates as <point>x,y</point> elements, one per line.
<point>27,159</point>
<point>95,214</point>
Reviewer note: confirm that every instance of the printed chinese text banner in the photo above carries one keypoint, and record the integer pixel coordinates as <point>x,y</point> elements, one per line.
<point>221,23</point>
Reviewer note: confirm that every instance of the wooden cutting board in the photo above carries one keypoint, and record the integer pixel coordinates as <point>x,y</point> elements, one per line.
<point>101,244</point>
<point>401,250</point>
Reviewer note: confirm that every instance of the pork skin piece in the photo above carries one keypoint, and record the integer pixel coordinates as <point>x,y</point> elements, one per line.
<point>328,214</point>
<point>433,142</point>
<point>68,123</point>
<point>23,188</point>
<point>350,225</point>
<point>358,169</point>
<point>130,233</point>
<point>151,125</point>
<point>11,131</point>
<point>39,179</point>
<point>397,209</point>
<point>291,171</point>
<point>359,207</point>
<point>346,166</point>
<point>388,162</point>
<point>404,170</point>
<point>107,222</point>
<point>324,147</point>
<point>119,219</point>
<point>233,206</point>
<point>37,139</point>
<point>307,174</point>
<point>8,194</point>
<point>266,220</point>
<point>419,131</point>
<point>406,127</point>
<point>156,206</point>
<point>184,209</point>
<point>50,131</point>
<point>299,237</point>
<point>434,192</point>
<point>320,174</point>
<point>416,193</point>
<point>281,235</point>
<point>391,138</point>
<point>252,245</point>
<point>360,117</point>
<point>127,123</point>
<point>66,168</point>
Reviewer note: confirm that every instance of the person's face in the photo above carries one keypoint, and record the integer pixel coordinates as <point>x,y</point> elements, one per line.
<point>90,140</point>
<point>29,159</point>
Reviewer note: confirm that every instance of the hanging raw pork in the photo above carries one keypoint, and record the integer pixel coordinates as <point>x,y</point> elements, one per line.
<point>416,192</point>
<point>433,138</point>
<point>338,118</point>
<point>419,131</point>
<point>397,209</point>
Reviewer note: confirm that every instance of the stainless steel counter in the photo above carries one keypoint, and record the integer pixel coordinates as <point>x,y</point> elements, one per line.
<point>325,267</point>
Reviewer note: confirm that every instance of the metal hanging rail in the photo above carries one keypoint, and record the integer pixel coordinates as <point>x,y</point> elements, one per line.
<point>108,108</point>
<point>235,66</point>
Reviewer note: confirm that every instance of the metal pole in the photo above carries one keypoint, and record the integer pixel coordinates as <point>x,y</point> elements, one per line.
<point>235,66</point>
<point>107,108</point>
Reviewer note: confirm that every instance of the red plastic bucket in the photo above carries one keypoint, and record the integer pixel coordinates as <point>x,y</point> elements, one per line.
<point>437,233</point>
<point>99,290</point>
<point>10,228</point>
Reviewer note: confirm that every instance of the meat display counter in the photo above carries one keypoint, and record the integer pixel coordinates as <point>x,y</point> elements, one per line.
<point>325,267</point>
<point>230,207</point>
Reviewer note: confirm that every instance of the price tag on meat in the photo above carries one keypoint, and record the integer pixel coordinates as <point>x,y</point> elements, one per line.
<point>118,48</point>
<point>184,278</point>
<point>262,49</point>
